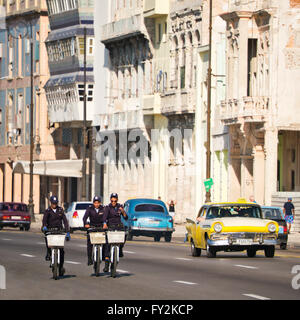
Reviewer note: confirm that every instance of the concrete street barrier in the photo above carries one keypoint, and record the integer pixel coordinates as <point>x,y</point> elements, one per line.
<point>2,278</point>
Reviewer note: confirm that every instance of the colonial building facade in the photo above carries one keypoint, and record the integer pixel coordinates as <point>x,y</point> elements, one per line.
<point>262,100</point>
<point>71,23</point>
<point>22,22</point>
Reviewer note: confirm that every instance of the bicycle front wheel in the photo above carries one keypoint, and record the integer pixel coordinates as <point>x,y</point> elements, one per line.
<point>55,264</point>
<point>113,270</point>
<point>97,262</point>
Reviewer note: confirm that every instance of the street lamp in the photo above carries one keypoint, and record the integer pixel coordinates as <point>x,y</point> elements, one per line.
<point>209,74</point>
<point>83,189</point>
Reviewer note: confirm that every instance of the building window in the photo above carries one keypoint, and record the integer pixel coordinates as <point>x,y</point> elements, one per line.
<point>89,46</point>
<point>182,77</point>
<point>89,92</point>
<point>252,66</point>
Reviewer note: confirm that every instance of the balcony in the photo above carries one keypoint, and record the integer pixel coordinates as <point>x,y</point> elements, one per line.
<point>18,7</point>
<point>122,29</point>
<point>155,8</point>
<point>178,102</point>
<point>246,5</point>
<point>250,109</point>
<point>152,104</point>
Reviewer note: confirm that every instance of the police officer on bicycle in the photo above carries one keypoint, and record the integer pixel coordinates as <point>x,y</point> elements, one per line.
<point>95,214</point>
<point>55,218</point>
<point>112,219</point>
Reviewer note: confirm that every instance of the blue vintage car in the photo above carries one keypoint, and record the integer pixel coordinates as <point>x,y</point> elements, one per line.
<point>148,217</point>
<point>276,214</point>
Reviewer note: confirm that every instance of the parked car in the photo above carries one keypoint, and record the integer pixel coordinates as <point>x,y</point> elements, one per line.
<point>75,213</point>
<point>148,217</point>
<point>14,214</point>
<point>232,227</point>
<point>276,214</point>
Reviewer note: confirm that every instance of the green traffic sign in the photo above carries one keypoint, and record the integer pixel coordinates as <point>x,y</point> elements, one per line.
<point>208,184</point>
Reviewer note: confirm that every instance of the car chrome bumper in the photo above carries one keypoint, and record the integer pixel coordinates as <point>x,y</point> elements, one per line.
<point>227,242</point>
<point>152,229</point>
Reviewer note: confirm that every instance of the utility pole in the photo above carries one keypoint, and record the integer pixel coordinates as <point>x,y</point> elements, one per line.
<point>83,190</point>
<point>209,74</point>
<point>31,204</point>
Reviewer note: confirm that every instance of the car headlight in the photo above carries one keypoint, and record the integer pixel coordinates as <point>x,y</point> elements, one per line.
<point>272,227</point>
<point>218,227</point>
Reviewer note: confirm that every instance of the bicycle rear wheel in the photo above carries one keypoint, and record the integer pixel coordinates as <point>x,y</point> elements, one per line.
<point>113,269</point>
<point>55,264</point>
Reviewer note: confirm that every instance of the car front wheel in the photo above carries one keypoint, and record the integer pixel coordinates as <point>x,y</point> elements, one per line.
<point>210,252</point>
<point>168,237</point>
<point>157,238</point>
<point>270,251</point>
<point>196,252</point>
<point>251,253</point>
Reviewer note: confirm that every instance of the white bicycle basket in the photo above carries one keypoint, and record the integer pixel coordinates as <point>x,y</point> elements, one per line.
<point>116,236</point>
<point>56,240</point>
<point>97,237</point>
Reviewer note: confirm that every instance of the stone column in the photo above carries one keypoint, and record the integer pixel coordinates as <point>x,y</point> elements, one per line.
<point>1,182</point>
<point>259,174</point>
<point>8,182</point>
<point>246,177</point>
<point>271,156</point>
<point>243,53</point>
<point>234,178</point>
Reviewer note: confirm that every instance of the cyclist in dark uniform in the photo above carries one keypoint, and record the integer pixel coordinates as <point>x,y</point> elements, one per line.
<point>55,217</point>
<point>112,219</point>
<point>95,215</point>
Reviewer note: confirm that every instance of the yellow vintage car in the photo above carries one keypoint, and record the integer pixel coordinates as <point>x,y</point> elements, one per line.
<point>229,227</point>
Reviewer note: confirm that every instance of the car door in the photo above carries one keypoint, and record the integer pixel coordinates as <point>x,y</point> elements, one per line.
<point>199,227</point>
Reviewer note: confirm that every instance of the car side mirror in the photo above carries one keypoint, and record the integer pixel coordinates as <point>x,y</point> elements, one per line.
<point>190,221</point>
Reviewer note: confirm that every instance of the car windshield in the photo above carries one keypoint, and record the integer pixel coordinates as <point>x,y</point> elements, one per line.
<point>149,207</point>
<point>272,214</point>
<point>13,207</point>
<point>233,211</point>
<point>82,206</point>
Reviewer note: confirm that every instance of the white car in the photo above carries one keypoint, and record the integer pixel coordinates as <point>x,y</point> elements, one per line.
<point>75,214</point>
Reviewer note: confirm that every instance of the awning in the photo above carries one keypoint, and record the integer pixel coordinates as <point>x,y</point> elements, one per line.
<point>69,33</point>
<point>66,80</point>
<point>56,168</point>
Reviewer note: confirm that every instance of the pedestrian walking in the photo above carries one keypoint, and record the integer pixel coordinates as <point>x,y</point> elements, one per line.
<point>289,213</point>
<point>172,205</point>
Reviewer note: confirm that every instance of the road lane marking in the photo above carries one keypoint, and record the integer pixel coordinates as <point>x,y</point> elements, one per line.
<point>184,259</point>
<point>122,271</point>
<point>72,262</point>
<point>243,266</point>
<point>6,239</point>
<point>129,252</point>
<point>185,282</point>
<point>27,255</point>
<point>256,296</point>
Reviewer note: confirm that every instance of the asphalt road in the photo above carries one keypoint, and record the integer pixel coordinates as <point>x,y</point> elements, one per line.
<point>149,271</point>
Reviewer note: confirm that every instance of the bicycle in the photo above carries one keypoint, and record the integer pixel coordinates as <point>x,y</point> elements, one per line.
<point>115,238</point>
<point>98,239</point>
<point>56,242</point>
